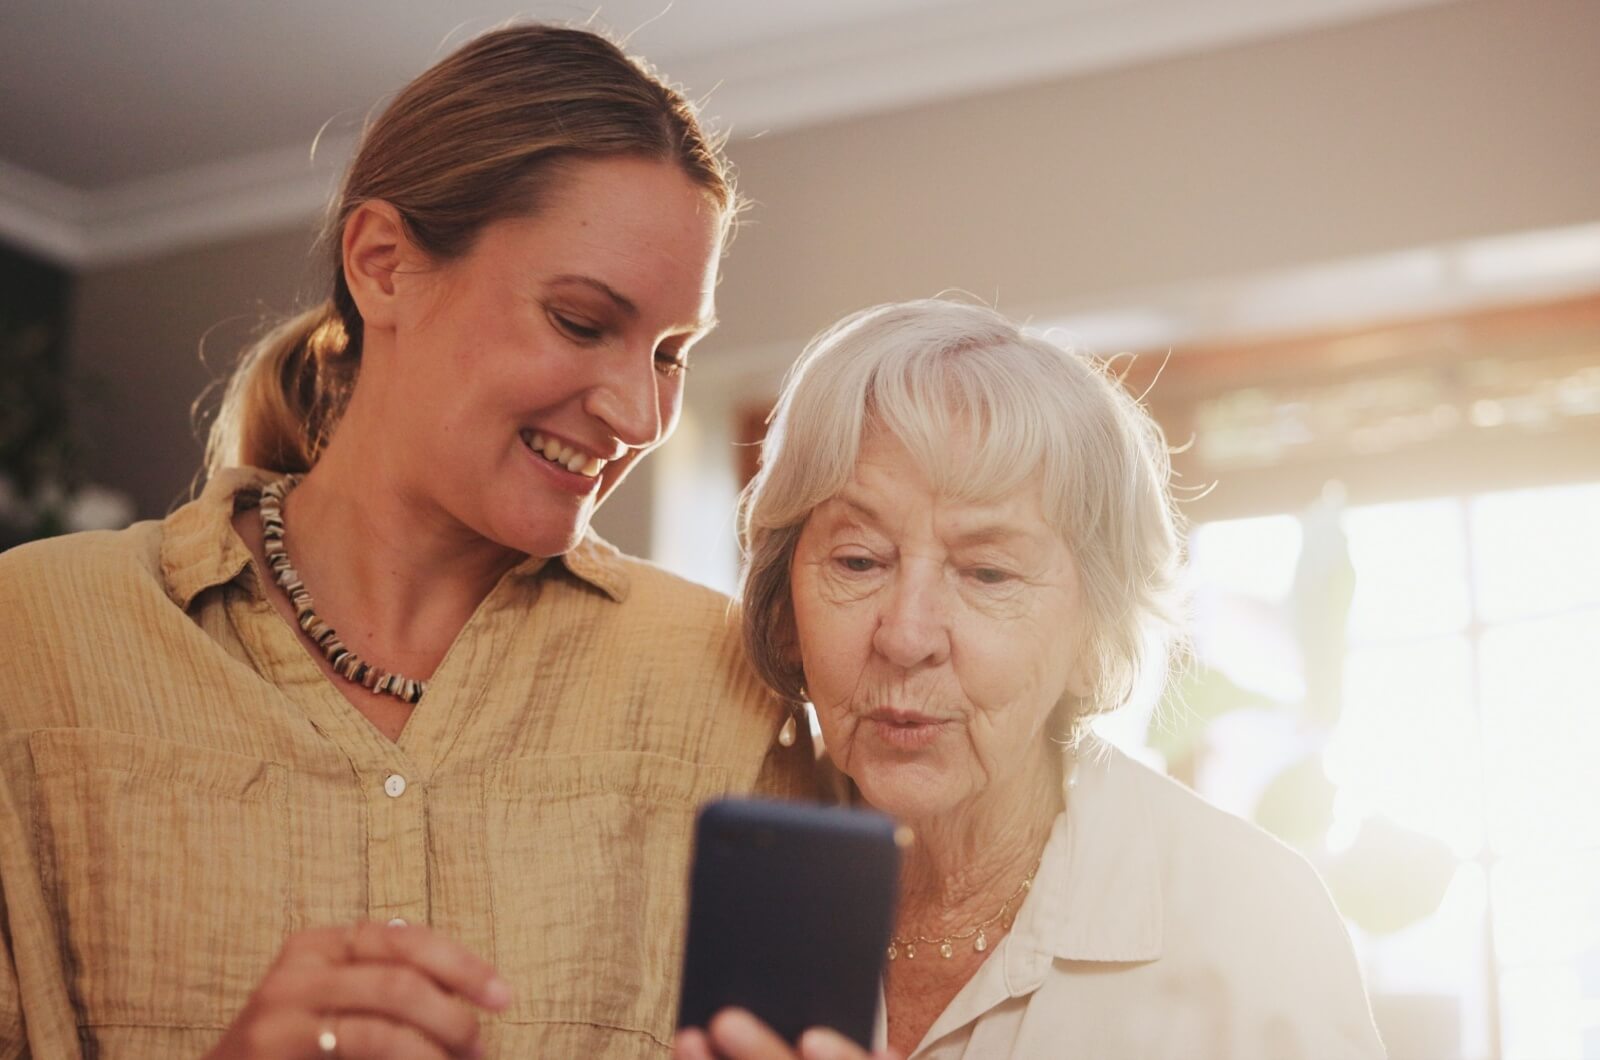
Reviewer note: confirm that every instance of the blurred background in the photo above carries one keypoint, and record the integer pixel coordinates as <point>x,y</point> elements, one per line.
<point>1350,250</point>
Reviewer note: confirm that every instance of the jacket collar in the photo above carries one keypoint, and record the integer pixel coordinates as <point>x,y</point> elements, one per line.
<point>199,549</point>
<point>1097,895</point>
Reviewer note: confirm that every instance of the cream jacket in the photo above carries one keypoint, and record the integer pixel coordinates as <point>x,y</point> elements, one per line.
<point>1161,928</point>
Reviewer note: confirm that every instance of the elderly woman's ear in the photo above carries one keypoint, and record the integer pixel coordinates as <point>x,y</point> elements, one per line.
<point>1087,670</point>
<point>1078,703</point>
<point>789,649</point>
<point>1082,680</point>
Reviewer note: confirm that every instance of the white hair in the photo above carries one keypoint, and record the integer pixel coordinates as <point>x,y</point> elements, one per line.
<point>937,373</point>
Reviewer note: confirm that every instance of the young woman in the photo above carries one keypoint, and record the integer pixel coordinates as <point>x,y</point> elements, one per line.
<point>373,750</point>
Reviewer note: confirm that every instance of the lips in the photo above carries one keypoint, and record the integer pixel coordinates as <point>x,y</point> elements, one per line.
<point>891,716</point>
<point>906,730</point>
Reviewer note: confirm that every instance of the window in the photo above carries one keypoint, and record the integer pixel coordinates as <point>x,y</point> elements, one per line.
<point>1397,622</point>
<point>1469,716</point>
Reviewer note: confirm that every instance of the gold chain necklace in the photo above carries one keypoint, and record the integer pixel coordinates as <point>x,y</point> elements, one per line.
<point>946,943</point>
<point>346,663</point>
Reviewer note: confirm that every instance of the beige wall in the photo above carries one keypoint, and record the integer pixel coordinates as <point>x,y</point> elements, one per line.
<point>1437,124</point>
<point>137,334</point>
<point>1443,123</point>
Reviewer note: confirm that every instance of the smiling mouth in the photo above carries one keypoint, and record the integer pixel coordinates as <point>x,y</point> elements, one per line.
<point>563,455</point>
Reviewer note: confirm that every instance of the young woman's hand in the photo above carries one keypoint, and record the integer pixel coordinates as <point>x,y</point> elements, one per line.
<point>366,990</point>
<point>735,1034</point>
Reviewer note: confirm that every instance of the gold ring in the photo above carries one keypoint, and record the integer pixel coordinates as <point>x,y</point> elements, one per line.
<point>327,1041</point>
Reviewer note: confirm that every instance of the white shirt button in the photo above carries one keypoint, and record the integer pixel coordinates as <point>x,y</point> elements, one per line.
<point>395,786</point>
<point>398,921</point>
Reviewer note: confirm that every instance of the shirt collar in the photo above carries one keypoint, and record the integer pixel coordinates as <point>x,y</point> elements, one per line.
<point>593,560</point>
<point>198,546</point>
<point>199,549</point>
<point>1097,895</point>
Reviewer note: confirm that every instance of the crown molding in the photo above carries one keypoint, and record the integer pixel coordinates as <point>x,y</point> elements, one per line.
<point>1465,276</point>
<point>1507,269</point>
<point>763,88</point>
<point>141,219</point>
<point>968,49</point>
<point>42,215</point>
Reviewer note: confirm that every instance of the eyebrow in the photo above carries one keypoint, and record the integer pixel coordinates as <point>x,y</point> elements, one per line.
<point>623,303</point>
<point>859,508</point>
<point>996,533</point>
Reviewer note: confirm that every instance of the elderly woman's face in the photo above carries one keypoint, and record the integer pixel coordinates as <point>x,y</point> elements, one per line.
<point>936,636</point>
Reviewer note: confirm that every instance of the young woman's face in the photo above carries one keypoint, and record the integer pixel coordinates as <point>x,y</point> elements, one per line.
<point>530,374</point>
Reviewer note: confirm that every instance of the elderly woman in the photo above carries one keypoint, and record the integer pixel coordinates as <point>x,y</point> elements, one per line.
<point>960,546</point>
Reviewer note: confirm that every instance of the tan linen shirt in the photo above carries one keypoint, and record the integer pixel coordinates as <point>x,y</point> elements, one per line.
<point>1160,928</point>
<point>181,787</point>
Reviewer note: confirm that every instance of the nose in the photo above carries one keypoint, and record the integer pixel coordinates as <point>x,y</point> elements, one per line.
<point>627,399</point>
<point>914,625</point>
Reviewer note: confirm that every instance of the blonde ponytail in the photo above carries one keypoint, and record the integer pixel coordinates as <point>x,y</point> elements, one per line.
<point>286,395</point>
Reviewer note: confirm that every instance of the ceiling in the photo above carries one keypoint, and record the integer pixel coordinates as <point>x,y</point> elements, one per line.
<point>132,128</point>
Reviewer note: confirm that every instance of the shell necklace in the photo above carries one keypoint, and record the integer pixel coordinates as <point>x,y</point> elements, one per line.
<point>346,663</point>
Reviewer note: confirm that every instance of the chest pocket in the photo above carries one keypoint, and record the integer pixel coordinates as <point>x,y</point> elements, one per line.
<point>589,862</point>
<point>166,867</point>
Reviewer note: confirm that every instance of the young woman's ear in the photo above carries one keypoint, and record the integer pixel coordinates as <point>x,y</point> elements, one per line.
<point>374,247</point>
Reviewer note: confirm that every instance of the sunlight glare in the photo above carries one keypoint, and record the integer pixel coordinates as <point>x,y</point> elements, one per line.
<point>1535,551</point>
<point>1407,744</point>
<point>1543,728</point>
<point>1411,565</point>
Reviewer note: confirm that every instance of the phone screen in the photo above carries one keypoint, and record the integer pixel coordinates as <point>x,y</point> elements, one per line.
<point>790,911</point>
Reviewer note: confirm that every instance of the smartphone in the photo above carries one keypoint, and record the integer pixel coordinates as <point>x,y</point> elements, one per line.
<point>790,911</point>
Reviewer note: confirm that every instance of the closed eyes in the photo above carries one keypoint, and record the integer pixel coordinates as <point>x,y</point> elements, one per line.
<point>574,329</point>
<point>670,360</point>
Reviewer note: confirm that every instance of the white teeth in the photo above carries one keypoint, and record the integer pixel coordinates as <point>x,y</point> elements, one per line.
<point>558,452</point>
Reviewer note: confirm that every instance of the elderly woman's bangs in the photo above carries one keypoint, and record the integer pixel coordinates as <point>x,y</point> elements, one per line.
<point>983,410</point>
<point>969,417</point>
